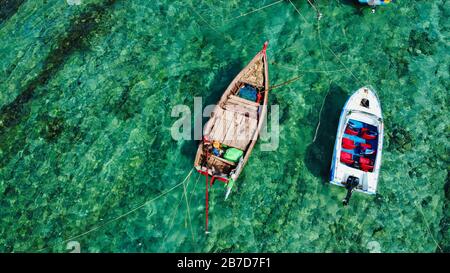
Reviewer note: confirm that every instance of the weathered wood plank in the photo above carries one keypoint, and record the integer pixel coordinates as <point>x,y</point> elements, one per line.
<point>239,99</point>
<point>245,133</point>
<point>217,129</point>
<point>241,110</point>
<point>231,134</point>
<point>211,123</point>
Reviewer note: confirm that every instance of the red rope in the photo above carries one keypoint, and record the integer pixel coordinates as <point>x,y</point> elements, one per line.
<point>206,202</point>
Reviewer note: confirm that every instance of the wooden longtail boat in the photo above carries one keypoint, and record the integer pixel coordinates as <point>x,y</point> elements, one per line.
<point>234,125</point>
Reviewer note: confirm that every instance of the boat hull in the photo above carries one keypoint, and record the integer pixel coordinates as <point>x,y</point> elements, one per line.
<point>219,108</point>
<point>371,116</point>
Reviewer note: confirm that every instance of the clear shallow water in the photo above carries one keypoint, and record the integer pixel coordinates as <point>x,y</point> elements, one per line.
<point>86,95</point>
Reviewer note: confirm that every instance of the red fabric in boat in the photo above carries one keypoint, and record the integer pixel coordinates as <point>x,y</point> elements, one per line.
<point>364,161</point>
<point>346,158</point>
<point>365,145</point>
<point>349,131</point>
<point>348,143</point>
<point>365,164</point>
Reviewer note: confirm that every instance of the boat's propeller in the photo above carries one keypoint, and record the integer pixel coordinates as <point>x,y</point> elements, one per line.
<point>350,185</point>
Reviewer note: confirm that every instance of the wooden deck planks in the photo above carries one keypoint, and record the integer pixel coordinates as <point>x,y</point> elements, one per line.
<point>232,132</point>
<point>241,110</point>
<point>235,126</point>
<point>243,101</point>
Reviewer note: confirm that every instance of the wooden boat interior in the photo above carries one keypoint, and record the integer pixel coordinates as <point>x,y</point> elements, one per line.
<point>234,121</point>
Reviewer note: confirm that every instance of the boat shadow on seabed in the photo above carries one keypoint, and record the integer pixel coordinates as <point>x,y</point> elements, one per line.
<point>210,95</point>
<point>320,152</point>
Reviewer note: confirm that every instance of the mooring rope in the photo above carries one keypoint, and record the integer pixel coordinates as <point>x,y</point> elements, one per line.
<point>321,42</point>
<point>253,11</point>
<point>307,71</point>
<point>124,214</point>
<point>175,213</point>
<point>326,67</point>
<point>204,20</point>
<point>319,14</point>
<point>188,210</point>
<point>303,17</point>
<point>275,86</point>
<point>193,190</point>
<point>343,64</point>
<point>427,225</point>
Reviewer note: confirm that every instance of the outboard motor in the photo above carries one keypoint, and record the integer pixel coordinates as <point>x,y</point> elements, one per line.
<point>350,185</point>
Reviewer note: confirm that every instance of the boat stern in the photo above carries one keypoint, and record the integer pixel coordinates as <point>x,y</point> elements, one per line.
<point>368,181</point>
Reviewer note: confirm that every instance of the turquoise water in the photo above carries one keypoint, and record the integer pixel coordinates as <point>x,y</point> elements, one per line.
<point>86,153</point>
